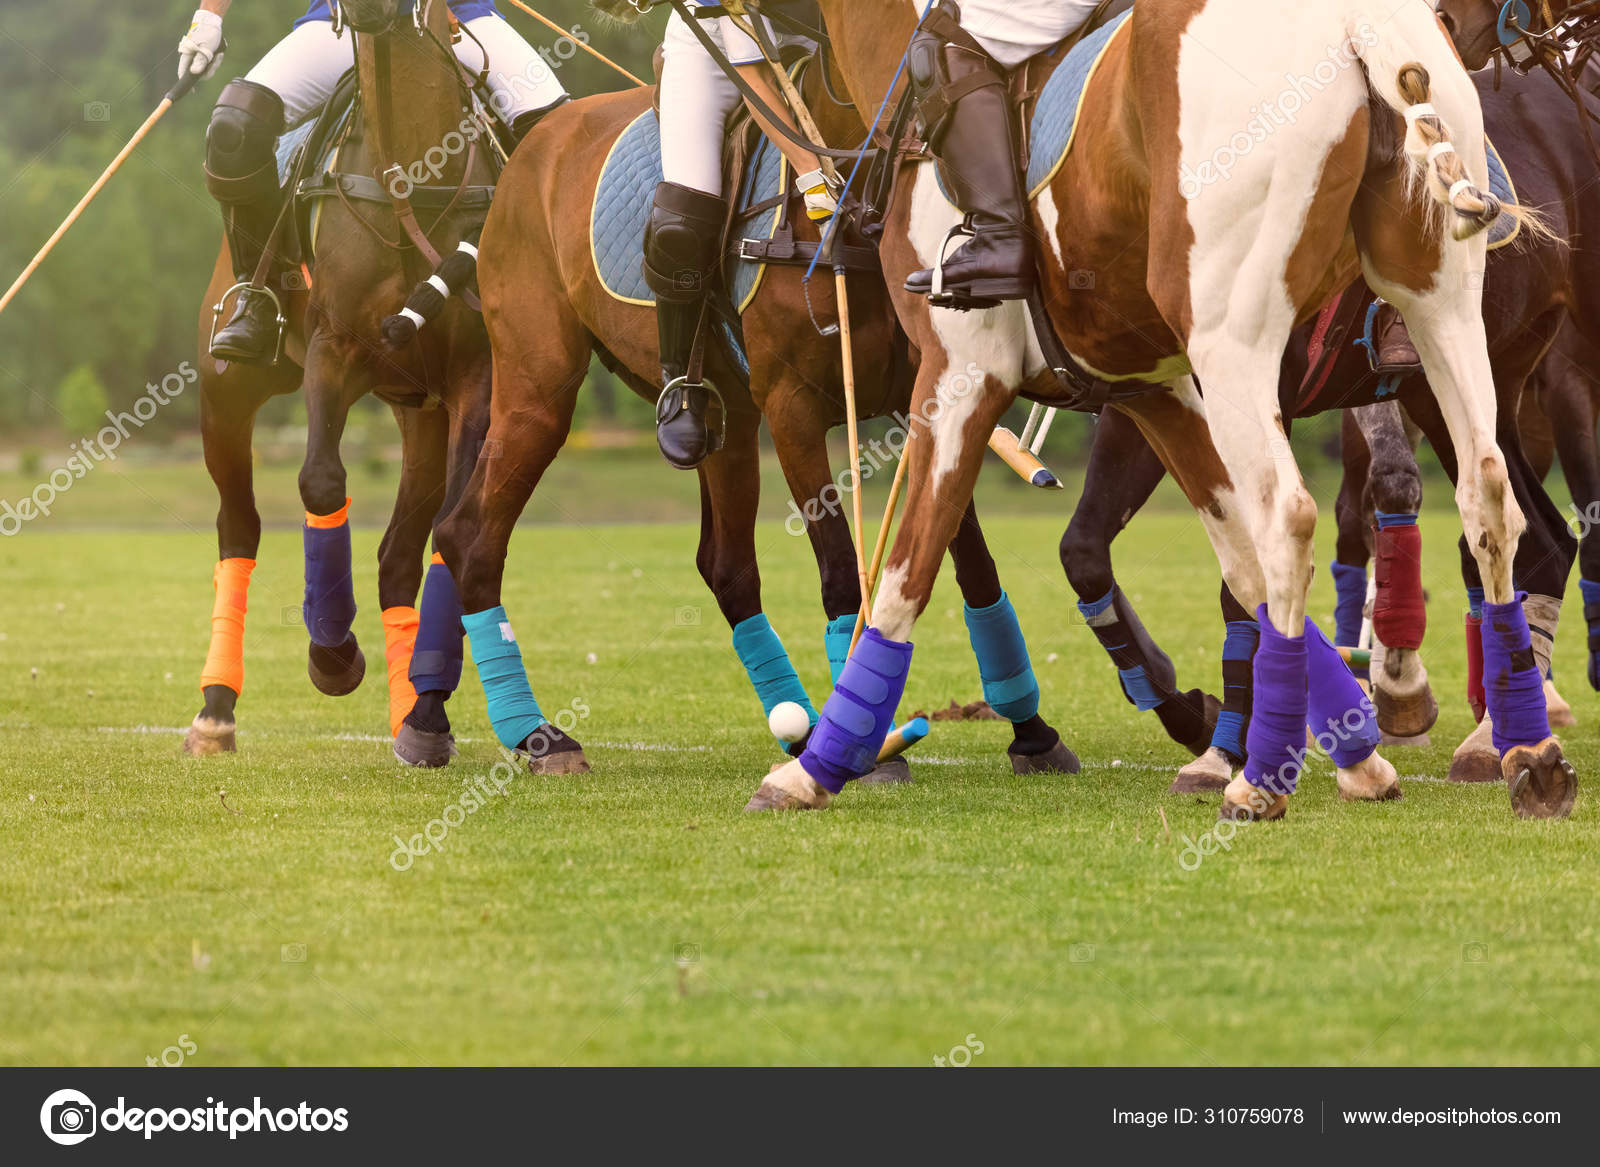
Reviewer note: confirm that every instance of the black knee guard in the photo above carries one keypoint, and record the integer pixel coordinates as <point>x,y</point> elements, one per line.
<point>947,65</point>
<point>241,159</point>
<point>682,243</point>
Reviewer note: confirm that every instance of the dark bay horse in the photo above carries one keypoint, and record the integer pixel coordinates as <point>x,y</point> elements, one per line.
<point>411,98</point>
<point>547,312</point>
<point>1532,288</point>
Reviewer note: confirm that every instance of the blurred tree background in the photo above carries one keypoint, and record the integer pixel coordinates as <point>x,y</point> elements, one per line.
<point>116,304</point>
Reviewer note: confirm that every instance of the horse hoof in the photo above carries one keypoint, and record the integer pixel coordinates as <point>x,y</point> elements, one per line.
<point>789,787</point>
<point>1556,708</point>
<point>1406,715</point>
<point>1058,759</point>
<point>1208,773</point>
<point>337,672</point>
<point>1244,803</point>
<point>891,773</point>
<point>1543,783</point>
<point>551,753</point>
<point>1371,780</point>
<point>207,738</point>
<point>426,751</point>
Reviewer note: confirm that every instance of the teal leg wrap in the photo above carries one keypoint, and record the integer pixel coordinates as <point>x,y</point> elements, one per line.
<point>837,641</point>
<point>1009,685</point>
<point>771,671</point>
<point>512,708</point>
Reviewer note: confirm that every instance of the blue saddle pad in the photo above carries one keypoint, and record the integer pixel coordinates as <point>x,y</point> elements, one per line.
<point>1055,118</point>
<point>626,192</point>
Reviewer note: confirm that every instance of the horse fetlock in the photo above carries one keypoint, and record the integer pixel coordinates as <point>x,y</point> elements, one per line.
<point>1373,779</point>
<point>208,737</point>
<point>789,787</point>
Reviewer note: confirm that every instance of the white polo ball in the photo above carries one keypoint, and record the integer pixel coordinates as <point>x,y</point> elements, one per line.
<point>789,721</point>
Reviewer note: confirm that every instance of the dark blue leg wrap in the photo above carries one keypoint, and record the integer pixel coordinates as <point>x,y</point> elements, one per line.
<point>1340,715</point>
<point>860,713</point>
<point>836,640</point>
<point>436,661</point>
<point>1238,651</point>
<point>1475,603</point>
<point>1350,586</point>
<point>1591,617</point>
<point>1277,739</point>
<point>1131,650</point>
<point>330,601</point>
<point>1512,684</point>
<point>1009,685</point>
<point>769,667</point>
<point>513,711</point>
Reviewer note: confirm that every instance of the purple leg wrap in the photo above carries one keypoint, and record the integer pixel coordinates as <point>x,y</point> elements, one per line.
<point>860,713</point>
<point>330,601</point>
<point>1277,738</point>
<point>1512,683</point>
<point>1339,713</point>
<point>436,660</point>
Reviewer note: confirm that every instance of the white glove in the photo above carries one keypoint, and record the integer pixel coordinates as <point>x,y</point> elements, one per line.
<point>821,195</point>
<point>200,51</point>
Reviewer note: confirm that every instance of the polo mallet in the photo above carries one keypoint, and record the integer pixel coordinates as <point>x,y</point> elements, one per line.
<point>174,95</point>
<point>584,45</point>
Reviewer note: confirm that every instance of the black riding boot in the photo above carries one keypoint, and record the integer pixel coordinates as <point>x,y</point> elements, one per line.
<point>682,244</point>
<point>242,174</point>
<point>961,94</point>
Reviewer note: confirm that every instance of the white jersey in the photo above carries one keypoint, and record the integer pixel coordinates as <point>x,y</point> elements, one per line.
<point>1014,30</point>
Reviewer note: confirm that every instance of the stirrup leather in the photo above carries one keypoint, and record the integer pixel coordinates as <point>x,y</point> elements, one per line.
<point>242,288</point>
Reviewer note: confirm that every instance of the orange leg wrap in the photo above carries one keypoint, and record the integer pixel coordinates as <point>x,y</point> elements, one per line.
<point>225,661</point>
<point>399,638</point>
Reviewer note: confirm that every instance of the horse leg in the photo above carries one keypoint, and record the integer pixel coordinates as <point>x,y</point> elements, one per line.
<point>228,405</point>
<point>1122,474</point>
<point>332,385</point>
<point>1406,705</point>
<point>425,454</point>
<point>1352,551</point>
<point>1493,479</point>
<point>1009,684</point>
<point>531,415</point>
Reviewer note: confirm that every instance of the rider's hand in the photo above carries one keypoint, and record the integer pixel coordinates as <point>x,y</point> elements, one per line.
<point>821,195</point>
<point>200,51</point>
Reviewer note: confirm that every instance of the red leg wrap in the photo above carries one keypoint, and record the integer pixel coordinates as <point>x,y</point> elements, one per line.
<point>1475,697</point>
<point>1399,616</point>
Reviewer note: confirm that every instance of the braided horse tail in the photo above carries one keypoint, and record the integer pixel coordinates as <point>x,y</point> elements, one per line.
<point>1412,68</point>
<point>456,273</point>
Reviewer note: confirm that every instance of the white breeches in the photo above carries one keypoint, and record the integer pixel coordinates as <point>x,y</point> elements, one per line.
<point>304,67</point>
<point>697,99</point>
<point>1014,30</point>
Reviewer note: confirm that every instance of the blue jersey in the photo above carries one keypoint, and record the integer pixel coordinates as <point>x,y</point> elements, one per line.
<point>465,10</point>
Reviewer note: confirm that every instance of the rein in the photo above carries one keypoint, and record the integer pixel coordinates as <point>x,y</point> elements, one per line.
<point>1563,48</point>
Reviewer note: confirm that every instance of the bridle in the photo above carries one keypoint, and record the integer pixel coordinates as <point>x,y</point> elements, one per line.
<point>419,15</point>
<point>1562,46</point>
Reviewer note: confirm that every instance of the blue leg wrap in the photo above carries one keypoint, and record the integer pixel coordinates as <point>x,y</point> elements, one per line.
<point>768,664</point>
<point>330,602</point>
<point>1396,519</point>
<point>1475,603</point>
<point>860,713</point>
<point>836,639</point>
<point>1512,684</point>
<point>1131,651</point>
<point>1009,685</point>
<point>1591,617</point>
<point>1277,739</point>
<point>436,661</point>
<point>512,709</point>
<point>1340,715</point>
<point>1238,651</point>
<point>1350,586</point>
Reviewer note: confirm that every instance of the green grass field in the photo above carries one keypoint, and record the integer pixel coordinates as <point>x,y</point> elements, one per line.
<point>636,915</point>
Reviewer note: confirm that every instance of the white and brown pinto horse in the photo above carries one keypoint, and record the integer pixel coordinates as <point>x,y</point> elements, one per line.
<point>1208,283</point>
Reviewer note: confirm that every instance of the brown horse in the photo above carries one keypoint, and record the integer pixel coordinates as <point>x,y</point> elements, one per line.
<point>547,312</point>
<point>364,263</point>
<point>1212,281</point>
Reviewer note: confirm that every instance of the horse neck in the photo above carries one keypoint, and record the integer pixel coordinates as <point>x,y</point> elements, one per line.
<point>869,40</point>
<point>424,99</point>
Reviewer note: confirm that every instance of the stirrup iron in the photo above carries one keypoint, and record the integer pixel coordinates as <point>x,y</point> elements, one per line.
<point>277,305</point>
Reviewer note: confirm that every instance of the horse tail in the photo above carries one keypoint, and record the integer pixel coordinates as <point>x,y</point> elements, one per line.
<point>1402,62</point>
<point>454,274</point>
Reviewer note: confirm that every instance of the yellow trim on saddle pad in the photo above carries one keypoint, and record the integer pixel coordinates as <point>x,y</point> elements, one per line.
<point>1072,138</point>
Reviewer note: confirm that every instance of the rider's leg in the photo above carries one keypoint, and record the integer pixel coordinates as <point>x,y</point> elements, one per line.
<point>522,82</point>
<point>288,85</point>
<point>683,239</point>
